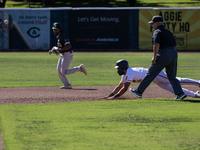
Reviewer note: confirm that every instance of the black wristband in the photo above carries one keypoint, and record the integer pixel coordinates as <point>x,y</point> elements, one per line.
<point>111,94</point>
<point>117,95</point>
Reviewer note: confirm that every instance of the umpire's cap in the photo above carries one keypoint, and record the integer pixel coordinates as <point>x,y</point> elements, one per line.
<point>123,64</point>
<point>56,25</point>
<point>156,19</point>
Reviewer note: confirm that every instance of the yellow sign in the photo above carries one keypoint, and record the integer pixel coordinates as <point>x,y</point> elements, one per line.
<point>183,23</point>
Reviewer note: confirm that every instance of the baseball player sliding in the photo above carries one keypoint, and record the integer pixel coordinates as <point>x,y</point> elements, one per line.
<point>66,56</point>
<point>137,74</point>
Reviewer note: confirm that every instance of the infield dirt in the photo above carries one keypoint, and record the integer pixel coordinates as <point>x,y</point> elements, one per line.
<point>30,95</point>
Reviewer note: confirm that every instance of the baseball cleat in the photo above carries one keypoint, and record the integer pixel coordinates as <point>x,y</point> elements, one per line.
<point>135,92</point>
<point>68,86</point>
<point>197,94</point>
<point>83,69</point>
<point>181,96</point>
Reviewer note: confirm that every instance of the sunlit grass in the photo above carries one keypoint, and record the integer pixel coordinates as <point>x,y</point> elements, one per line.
<point>111,3</point>
<point>130,124</point>
<point>39,69</point>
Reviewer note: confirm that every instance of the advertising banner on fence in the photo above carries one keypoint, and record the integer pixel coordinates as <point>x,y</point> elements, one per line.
<point>4,31</point>
<point>30,29</point>
<point>183,23</point>
<point>99,29</point>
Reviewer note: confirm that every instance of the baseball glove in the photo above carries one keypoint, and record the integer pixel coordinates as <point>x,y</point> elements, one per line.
<point>54,50</point>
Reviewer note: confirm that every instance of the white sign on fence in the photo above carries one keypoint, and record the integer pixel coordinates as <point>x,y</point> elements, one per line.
<point>33,26</point>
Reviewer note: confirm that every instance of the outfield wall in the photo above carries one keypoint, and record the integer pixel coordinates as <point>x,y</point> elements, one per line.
<point>119,29</point>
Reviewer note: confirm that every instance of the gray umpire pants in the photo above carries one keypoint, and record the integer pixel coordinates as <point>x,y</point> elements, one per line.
<point>63,65</point>
<point>166,58</point>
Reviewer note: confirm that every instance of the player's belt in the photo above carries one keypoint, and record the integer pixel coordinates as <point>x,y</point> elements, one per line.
<point>70,50</point>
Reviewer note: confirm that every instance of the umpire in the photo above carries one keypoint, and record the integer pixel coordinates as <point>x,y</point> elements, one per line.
<point>164,56</point>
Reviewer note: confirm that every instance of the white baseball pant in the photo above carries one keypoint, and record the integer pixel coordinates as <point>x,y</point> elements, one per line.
<point>63,65</point>
<point>162,81</point>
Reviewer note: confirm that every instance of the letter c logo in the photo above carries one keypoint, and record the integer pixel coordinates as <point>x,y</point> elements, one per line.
<point>33,32</point>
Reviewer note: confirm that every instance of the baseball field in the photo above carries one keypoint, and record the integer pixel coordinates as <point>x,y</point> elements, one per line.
<point>35,114</point>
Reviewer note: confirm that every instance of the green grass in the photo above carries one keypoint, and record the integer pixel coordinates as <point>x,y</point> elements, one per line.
<point>111,125</point>
<point>13,4</point>
<point>109,3</point>
<point>39,69</point>
<point>168,3</point>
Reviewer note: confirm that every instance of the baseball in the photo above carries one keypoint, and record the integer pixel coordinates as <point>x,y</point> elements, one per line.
<point>6,21</point>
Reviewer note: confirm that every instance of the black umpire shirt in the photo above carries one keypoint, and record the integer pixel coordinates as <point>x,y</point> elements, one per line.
<point>164,37</point>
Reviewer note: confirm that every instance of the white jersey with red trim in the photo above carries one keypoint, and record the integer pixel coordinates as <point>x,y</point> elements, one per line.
<point>134,75</point>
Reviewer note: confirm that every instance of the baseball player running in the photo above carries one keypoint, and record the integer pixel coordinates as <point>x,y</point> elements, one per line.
<point>66,56</point>
<point>137,74</point>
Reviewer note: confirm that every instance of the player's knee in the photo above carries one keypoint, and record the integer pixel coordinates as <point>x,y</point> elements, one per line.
<point>62,72</point>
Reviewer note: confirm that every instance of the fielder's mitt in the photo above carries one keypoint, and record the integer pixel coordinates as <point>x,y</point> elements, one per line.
<point>54,50</point>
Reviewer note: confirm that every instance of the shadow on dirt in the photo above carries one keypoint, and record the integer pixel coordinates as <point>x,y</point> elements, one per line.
<point>85,89</point>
